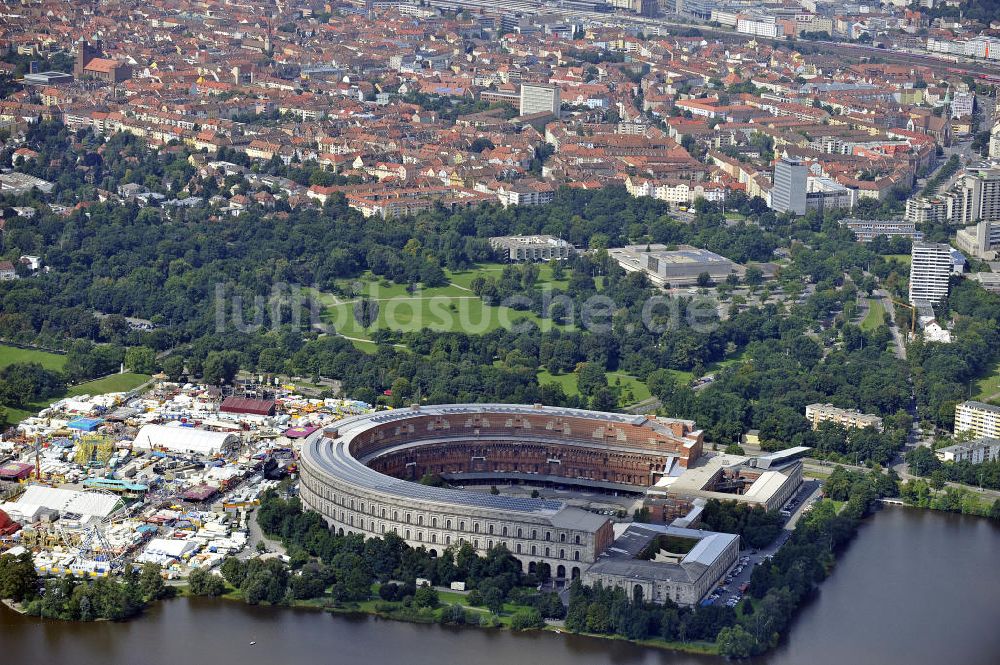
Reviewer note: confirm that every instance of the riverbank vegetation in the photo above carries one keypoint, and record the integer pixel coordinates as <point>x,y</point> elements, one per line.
<point>923,462</point>
<point>777,587</point>
<point>75,599</point>
<point>346,573</point>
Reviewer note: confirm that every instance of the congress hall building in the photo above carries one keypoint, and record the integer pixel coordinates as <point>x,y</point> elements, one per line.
<point>363,475</point>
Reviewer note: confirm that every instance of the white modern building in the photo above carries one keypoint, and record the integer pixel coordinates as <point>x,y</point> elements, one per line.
<point>962,104</point>
<point>977,195</point>
<point>976,452</point>
<point>539,98</point>
<point>765,26</point>
<point>826,193</point>
<point>519,249</point>
<point>790,186</point>
<point>930,270</point>
<point>981,241</point>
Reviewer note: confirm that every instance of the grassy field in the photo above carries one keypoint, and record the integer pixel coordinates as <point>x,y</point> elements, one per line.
<point>114,383</point>
<point>875,316</point>
<point>453,307</point>
<point>626,382</point>
<point>899,258</point>
<point>10,355</point>
<point>989,385</point>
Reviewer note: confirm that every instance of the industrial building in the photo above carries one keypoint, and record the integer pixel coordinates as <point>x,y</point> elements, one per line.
<point>979,418</point>
<point>850,418</point>
<point>658,563</point>
<point>677,267</point>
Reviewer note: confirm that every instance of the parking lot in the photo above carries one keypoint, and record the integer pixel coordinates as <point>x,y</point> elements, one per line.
<point>732,587</point>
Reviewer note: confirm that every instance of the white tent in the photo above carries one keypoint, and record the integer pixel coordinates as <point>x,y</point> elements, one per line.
<point>161,550</point>
<point>184,439</point>
<point>90,505</point>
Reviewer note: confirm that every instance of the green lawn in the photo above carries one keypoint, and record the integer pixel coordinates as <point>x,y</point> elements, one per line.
<point>464,278</point>
<point>989,385</point>
<point>114,383</point>
<point>10,355</point>
<point>875,316</point>
<point>626,382</point>
<point>447,308</point>
<point>898,258</point>
<point>638,388</point>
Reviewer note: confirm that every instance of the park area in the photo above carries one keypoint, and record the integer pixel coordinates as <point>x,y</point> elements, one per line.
<point>453,307</point>
<point>875,316</point>
<point>112,383</point>
<point>988,387</point>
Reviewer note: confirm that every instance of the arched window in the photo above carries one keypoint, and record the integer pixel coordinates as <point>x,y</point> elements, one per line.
<point>534,550</point>
<point>406,534</point>
<point>475,527</point>
<point>519,532</point>
<point>503,532</point>
<point>562,554</point>
<point>562,537</point>
<point>548,535</point>
<point>517,548</point>
<point>434,522</point>
<point>576,556</point>
<point>420,520</point>
<point>578,539</point>
<point>547,552</point>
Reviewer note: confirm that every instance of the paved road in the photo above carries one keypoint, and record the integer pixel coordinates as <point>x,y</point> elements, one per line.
<point>649,405</point>
<point>890,311</point>
<point>255,535</point>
